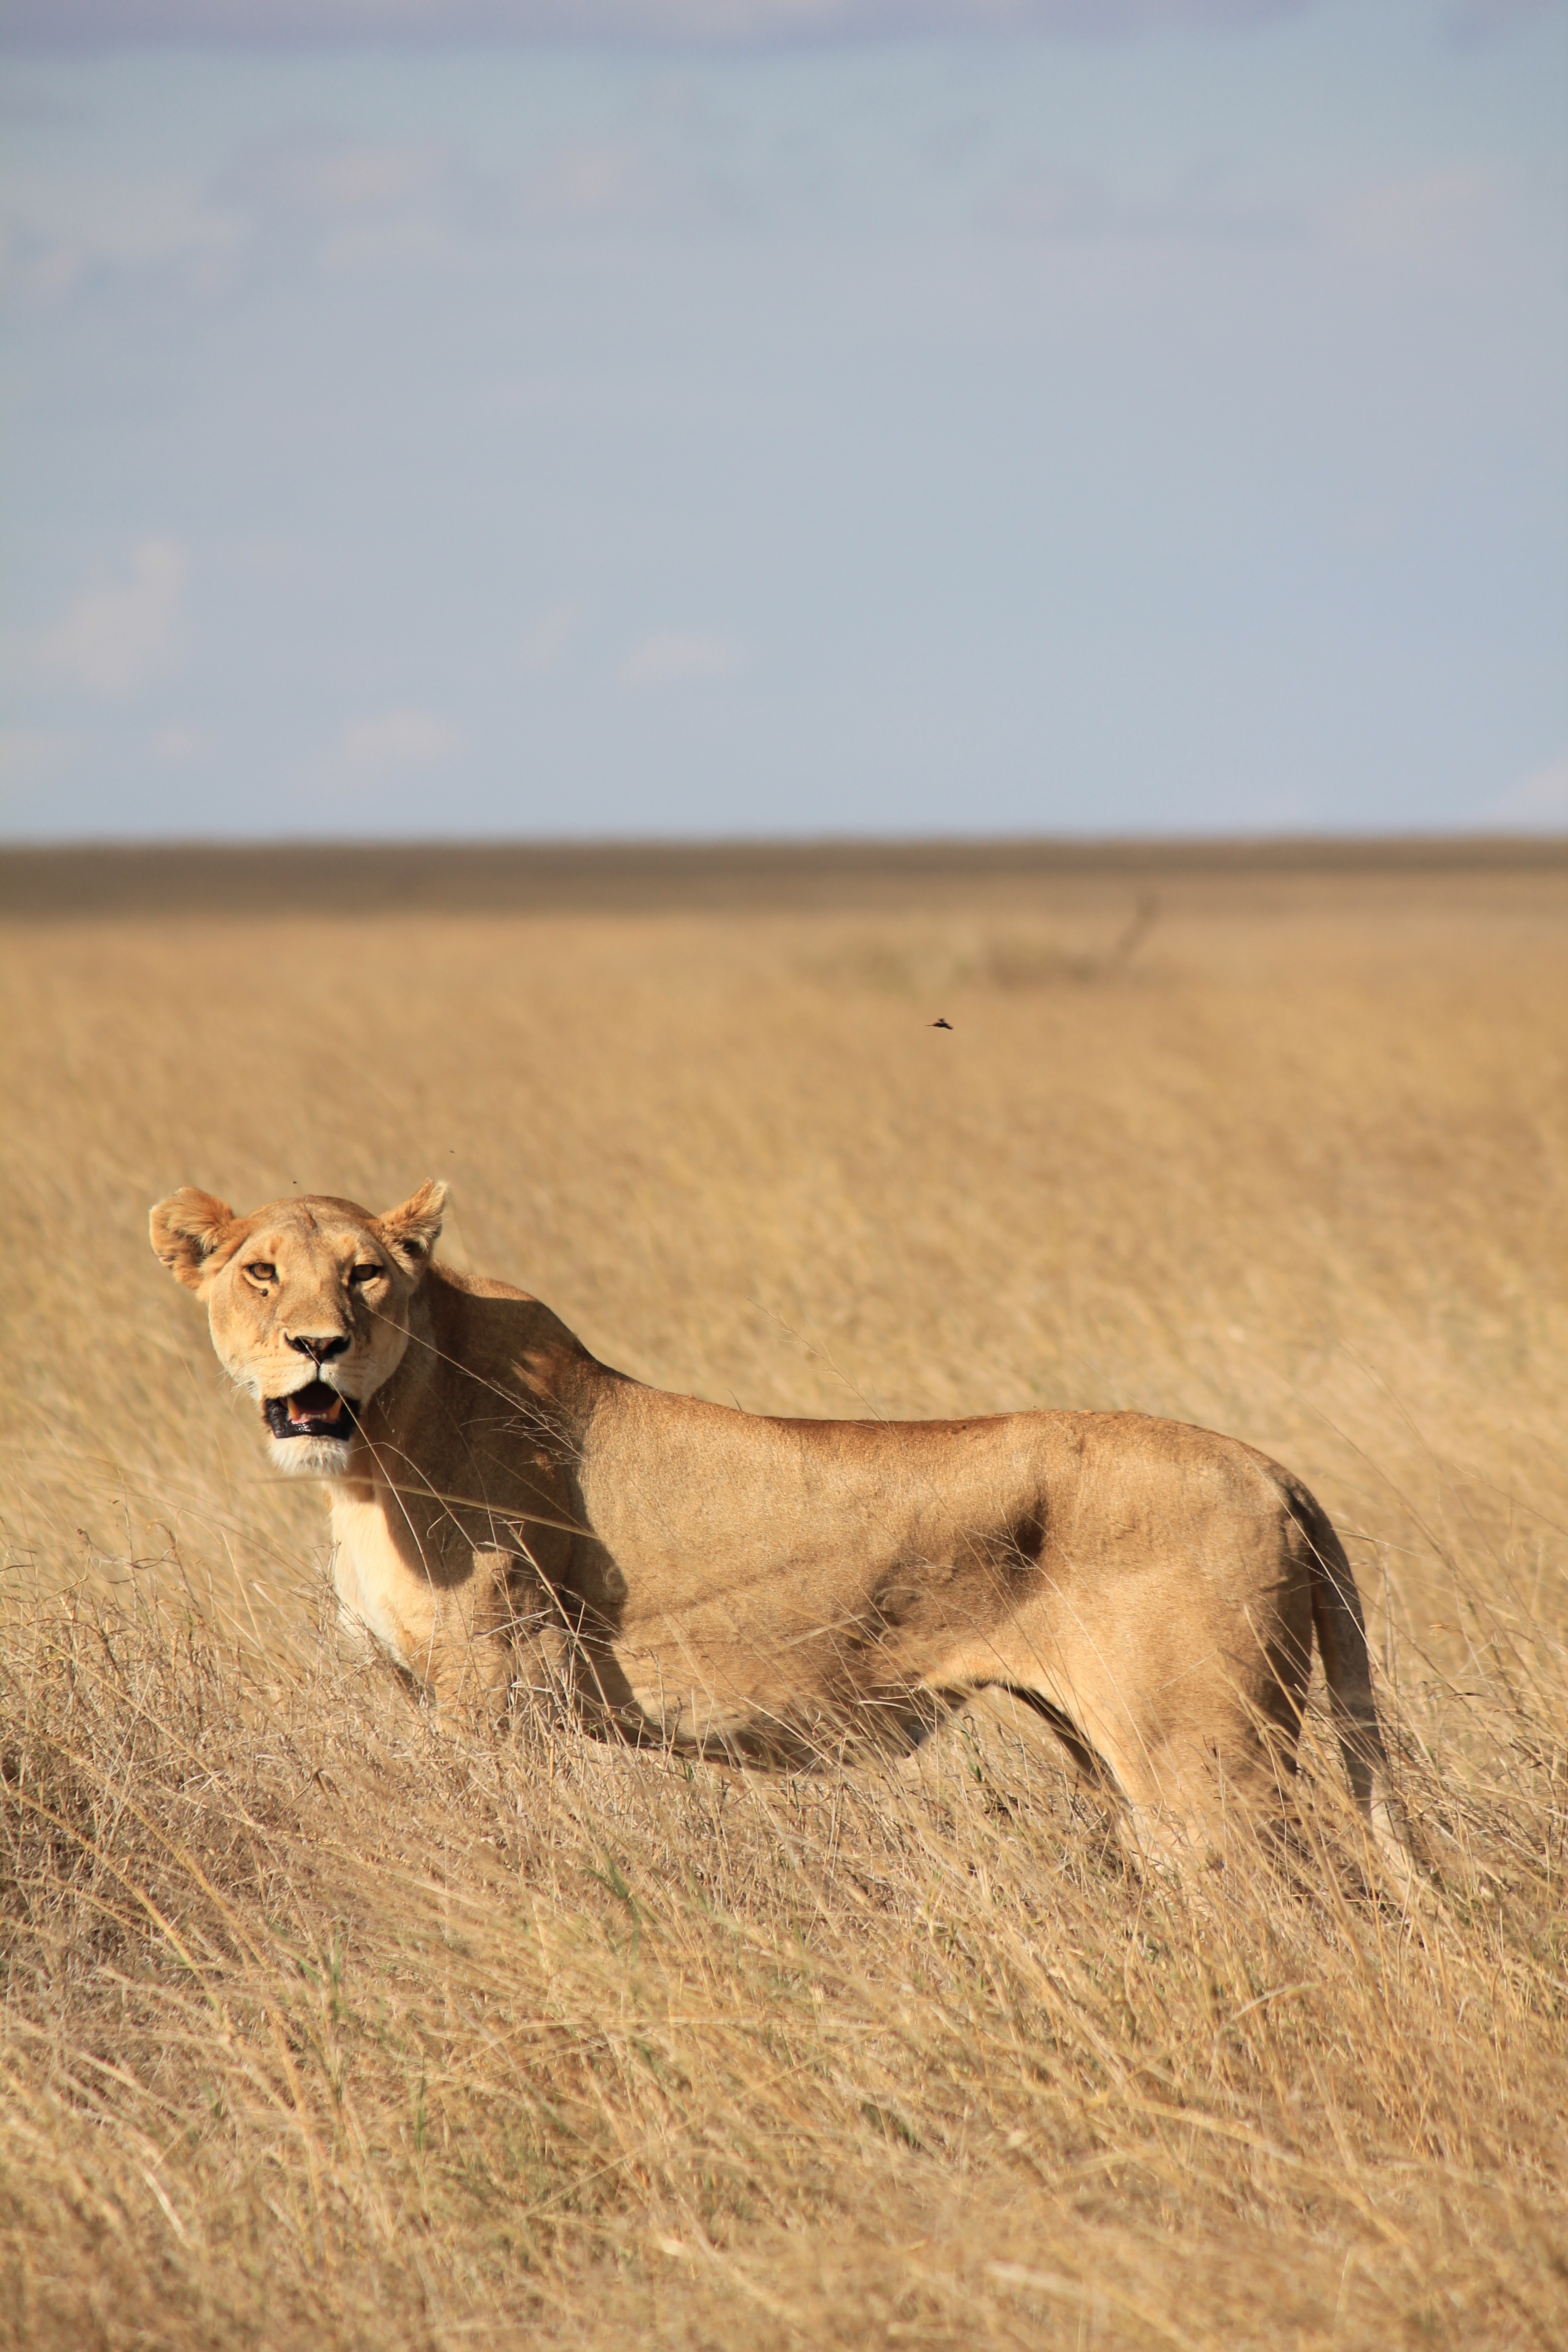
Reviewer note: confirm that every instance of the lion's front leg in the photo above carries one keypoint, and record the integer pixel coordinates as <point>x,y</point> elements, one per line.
<point>497,1631</point>
<point>528,1614</point>
<point>466,1653</point>
<point>466,1627</point>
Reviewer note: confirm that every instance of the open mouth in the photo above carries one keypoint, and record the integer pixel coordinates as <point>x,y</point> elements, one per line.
<point>314,1411</point>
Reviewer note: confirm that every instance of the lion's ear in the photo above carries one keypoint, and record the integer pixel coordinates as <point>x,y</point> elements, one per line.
<point>187,1228</point>
<point>410,1232</point>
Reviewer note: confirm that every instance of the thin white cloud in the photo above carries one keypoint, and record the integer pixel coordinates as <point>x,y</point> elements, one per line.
<point>583,184</point>
<point>1432,217</point>
<point>396,742</point>
<point>1073,205</point>
<point>678,657</point>
<point>355,178</point>
<point>64,230</point>
<point>113,639</point>
<point>363,206</point>
<point>320,177</point>
<point>1538,802</point>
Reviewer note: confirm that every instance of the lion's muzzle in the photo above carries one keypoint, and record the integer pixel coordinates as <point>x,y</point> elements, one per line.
<point>314,1411</point>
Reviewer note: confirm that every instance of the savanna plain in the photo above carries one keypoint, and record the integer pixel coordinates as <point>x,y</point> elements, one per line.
<point>329,2021</point>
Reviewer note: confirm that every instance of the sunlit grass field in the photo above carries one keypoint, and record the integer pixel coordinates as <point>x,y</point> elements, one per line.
<point>329,2022</point>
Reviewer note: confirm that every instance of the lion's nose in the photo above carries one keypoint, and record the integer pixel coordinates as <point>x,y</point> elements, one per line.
<point>321,1351</point>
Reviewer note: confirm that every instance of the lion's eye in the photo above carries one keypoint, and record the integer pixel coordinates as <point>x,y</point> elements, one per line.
<point>263,1274</point>
<point>364,1273</point>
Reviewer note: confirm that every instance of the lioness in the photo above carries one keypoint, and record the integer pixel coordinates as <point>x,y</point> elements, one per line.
<point>506,1508</point>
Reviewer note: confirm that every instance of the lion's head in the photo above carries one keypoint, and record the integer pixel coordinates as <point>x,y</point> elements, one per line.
<point>308,1302</point>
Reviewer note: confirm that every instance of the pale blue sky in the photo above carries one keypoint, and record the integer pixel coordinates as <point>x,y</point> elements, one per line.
<point>900,433</point>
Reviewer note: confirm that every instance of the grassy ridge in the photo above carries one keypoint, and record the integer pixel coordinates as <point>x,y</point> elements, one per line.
<point>329,2022</point>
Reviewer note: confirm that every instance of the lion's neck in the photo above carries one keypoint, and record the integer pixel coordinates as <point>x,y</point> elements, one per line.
<point>478,1356</point>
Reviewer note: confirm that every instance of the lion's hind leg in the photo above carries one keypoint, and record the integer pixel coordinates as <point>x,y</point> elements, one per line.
<point>1092,1767</point>
<point>1183,1790</point>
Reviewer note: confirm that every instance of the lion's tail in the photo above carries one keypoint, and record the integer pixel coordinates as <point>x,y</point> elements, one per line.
<point>1347,1664</point>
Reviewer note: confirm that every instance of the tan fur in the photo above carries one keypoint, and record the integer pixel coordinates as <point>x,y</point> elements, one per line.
<point>508,1508</point>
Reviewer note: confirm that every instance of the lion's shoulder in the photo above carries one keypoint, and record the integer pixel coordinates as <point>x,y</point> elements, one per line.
<point>505,1334</point>
<point>481,1285</point>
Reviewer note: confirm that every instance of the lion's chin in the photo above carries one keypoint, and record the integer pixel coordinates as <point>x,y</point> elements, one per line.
<point>309,1457</point>
<point>311,1431</point>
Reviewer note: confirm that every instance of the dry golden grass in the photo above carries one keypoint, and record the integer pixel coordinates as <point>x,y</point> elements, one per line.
<point>327,2023</point>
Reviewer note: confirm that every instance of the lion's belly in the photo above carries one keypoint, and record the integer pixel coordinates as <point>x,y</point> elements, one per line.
<point>797,1668</point>
<point>736,1634</point>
